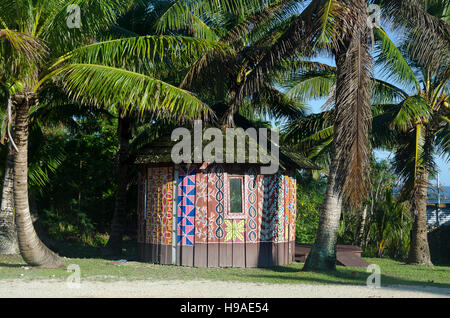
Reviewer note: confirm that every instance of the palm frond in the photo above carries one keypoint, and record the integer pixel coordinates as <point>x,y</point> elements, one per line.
<point>311,85</point>
<point>25,45</point>
<point>136,53</point>
<point>413,111</point>
<point>182,12</point>
<point>428,40</point>
<point>103,85</point>
<point>391,60</point>
<point>443,139</point>
<point>353,112</point>
<point>96,16</point>
<point>386,93</point>
<point>272,102</point>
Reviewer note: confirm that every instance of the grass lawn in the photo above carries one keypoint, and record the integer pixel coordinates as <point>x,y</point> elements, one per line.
<point>94,267</point>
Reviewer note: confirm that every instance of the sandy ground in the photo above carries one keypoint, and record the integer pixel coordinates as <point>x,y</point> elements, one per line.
<point>186,289</point>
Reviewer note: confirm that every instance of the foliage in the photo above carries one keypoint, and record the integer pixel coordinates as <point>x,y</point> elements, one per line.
<point>387,227</point>
<point>390,226</point>
<point>310,194</point>
<point>439,240</point>
<point>79,201</point>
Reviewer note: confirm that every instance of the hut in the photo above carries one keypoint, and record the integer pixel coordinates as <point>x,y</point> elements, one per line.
<point>215,215</point>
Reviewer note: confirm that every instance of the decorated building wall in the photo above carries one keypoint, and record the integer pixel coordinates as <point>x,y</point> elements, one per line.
<point>216,216</point>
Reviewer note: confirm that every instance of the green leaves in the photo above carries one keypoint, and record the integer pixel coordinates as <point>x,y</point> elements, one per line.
<point>104,85</point>
<point>392,61</point>
<point>312,85</point>
<point>25,46</point>
<point>413,110</point>
<point>96,16</point>
<point>140,53</point>
<point>384,93</point>
<point>428,36</point>
<point>443,138</point>
<point>185,14</point>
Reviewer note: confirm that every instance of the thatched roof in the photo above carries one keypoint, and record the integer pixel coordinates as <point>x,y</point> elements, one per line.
<point>160,150</point>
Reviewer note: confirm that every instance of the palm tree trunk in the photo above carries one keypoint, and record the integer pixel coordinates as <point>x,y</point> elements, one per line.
<point>33,251</point>
<point>322,256</point>
<point>120,210</point>
<point>419,252</point>
<point>362,227</point>
<point>349,159</point>
<point>8,233</point>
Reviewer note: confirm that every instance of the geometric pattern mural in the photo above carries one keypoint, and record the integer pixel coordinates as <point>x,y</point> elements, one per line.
<point>199,206</point>
<point>269,204</point>
<point>159,205</point>
<point>251,204</point>
<point>186,206</point>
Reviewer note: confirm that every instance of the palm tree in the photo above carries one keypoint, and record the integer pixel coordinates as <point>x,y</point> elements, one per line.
<point>339,27</point>
<point>247,27</point>
<point>348,167</point>
<point>412,123</point>
<point>110,72</point>
<point>422,120</point>
<point>349,172</point>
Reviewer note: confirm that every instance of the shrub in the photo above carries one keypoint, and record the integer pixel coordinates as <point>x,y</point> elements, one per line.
<point>310,195</point>
<point>439,241</point>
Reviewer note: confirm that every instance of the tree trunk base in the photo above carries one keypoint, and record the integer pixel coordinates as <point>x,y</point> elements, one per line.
<point>113,248</point>
<point>8,239</point>
<point>320,260</point>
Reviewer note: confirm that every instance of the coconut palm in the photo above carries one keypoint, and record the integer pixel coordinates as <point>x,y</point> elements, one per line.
<point>42,49</point>
<point>412,122</point>
<point>340,27</point>
<point>247,27</point>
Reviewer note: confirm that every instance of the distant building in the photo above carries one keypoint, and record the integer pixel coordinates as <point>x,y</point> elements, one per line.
<point>438,216</point>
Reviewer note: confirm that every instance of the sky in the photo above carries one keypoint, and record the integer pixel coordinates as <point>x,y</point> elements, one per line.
<point>442,165</point>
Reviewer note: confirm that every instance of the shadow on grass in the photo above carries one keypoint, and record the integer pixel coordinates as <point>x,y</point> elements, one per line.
<point>78,250</point>
<point>11,265</point>
<point>349,276</point>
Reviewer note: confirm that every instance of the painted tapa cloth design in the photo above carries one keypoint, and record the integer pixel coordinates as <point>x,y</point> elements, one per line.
<point>281,212</point>
<point>159,205</point>
<point>235,231</point>
<point>217,204</point>
<point>269,219</point>
<point>251,204</point>
<point>186,206</point>
<point>141,206</point>
<point>203,224</point>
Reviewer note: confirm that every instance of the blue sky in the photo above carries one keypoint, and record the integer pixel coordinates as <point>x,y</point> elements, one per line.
<point>315,107</point>
<point>442,164</point>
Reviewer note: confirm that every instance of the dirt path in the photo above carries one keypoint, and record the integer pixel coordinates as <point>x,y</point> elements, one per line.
<point>166,289</point>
